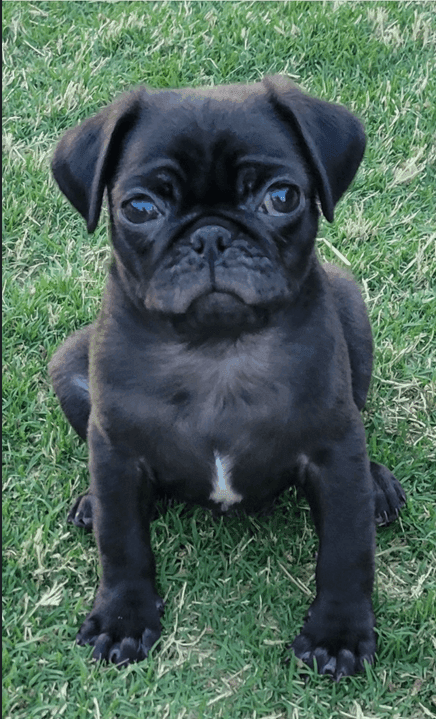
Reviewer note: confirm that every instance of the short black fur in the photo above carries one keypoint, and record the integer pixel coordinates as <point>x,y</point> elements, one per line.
<point>226,363</point>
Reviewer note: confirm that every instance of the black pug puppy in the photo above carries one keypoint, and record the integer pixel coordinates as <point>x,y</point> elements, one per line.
<point>226,363</point>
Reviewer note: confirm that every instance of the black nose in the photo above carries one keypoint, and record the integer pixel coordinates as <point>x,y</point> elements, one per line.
<point>211,240</point>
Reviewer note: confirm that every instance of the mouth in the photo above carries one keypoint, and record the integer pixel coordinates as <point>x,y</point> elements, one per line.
<point>221,290</point>
<point>218,312</point>
<point>216,304</point>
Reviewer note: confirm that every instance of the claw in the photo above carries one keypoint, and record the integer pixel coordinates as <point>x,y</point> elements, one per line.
<point>160,605</point>
<point>330,667</point>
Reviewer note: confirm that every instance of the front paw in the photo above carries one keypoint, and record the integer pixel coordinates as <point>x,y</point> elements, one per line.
<point>123,624</point>
<point>340,640</point>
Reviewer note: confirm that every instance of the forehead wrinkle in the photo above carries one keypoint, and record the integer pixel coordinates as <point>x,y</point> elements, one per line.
<point>163,165</point>
<point>207,139</point>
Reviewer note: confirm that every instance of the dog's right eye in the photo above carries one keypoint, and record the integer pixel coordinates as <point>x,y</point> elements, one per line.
<point>140,209</point>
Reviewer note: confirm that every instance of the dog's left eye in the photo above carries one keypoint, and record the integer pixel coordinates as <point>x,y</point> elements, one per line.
<point>281,200</point>
<point>140,209</point>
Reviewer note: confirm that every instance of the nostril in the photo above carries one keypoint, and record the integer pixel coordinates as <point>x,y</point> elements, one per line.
<point>221,243</point>
<point>197,243</point>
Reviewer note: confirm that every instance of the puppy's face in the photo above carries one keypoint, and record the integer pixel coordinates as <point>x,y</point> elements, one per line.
<point>213,211</point>
<point>212,193</point>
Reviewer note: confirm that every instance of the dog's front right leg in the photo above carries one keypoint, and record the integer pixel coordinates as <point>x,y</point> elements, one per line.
<point>125,620</point>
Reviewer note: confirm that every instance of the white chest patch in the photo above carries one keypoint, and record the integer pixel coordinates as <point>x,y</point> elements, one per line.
<point>222,492</point>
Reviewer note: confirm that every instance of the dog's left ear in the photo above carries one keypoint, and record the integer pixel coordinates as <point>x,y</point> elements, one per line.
<point>87,155</point>
<point>332,139</point>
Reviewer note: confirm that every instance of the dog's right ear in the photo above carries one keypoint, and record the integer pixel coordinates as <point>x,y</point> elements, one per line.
<point>87,155</point>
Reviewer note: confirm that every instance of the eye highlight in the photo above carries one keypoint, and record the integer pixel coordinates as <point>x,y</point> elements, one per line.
<point>140,209</point>
<point>281,200</point>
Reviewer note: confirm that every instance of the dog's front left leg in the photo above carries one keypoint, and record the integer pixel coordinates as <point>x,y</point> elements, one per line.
<point>339,629</point>
<point>125,619</point>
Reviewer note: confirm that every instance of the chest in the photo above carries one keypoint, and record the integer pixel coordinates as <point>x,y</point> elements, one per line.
<point>216,427</point>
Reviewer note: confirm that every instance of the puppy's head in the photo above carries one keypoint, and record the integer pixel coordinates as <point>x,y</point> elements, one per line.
<point>213,193</point>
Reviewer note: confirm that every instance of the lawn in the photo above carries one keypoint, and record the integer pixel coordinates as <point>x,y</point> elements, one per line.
<point>236,591</point>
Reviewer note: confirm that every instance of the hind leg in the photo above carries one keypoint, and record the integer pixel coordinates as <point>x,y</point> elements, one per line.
<point>357,330</point>
<point>68,370</point>
<point>388,494</point>
<point>81,512</point>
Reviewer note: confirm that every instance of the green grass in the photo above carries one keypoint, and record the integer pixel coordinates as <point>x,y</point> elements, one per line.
<point>236,591</point>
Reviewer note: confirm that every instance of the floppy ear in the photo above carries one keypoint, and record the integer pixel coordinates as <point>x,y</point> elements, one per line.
<point>332,139</point>
<point>87,155</point>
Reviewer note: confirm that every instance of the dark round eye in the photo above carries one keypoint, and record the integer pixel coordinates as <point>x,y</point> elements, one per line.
<point>281,200</point>
<point>140,209</point>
